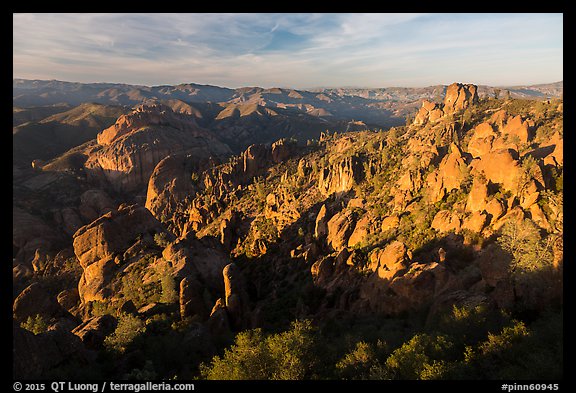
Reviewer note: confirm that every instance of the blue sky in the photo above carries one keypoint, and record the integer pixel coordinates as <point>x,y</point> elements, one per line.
<point>290,50</point>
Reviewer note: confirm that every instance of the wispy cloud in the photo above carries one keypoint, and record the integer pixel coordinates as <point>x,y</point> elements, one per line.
<point>290,49</point>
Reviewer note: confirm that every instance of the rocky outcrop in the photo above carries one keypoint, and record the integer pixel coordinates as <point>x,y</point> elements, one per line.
<point>321,225</point>
<point>390,222</point>
<point>94,203</point>
<point>361,230</point>
<point>35,300</point>
<point>229,230</point>
<point>500,166</point>
<point>460,96</point>
<point>340,227</point>
<point>481,141</point>
<point>236,297</point>
<point>255,158</point>
<point>191,299</point>
<point>516,127</point>
<point>131,148</point>
<point>94,330</point>
<point>170,184</point>
<point>478,195</point>
<point>218,324</point>
<point>446,221</point>
<point>37,356</point>
<point>68,299</point>
<point>429,112</point>
<point>390,261</point>
<point>98,245</point>
<point>30,233</point>
<point>475,222</point>
<point>341,176</point>
<point>282,149</point>
<point>450,174</point>
<point>202,259</point>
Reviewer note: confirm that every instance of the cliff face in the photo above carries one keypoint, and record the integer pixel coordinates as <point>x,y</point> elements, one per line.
<point>131,148</point>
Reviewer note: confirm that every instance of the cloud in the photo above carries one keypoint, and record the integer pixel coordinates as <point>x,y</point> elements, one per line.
<point>288,49</point>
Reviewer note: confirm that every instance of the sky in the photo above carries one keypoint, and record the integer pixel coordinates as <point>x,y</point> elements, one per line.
<point>290,50</point>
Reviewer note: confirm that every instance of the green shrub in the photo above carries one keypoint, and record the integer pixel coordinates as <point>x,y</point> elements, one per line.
<point>168,284</point>
<point>129,327</point>
<point>418,358</point>
<point>161,239</point>
<point>36,324</point>
<point>285,356</point>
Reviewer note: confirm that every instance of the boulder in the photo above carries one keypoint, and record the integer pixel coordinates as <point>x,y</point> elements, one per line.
<point>390,222</point>
<point>93,331</point>
<point>446,221</point>
<point>170,183</point>
<point>539,217</point>
<point>35,300</point>
<point>39,356</point>
<point>321,226</point>
<point>71,221</point>
<point>68,298</point>
<point>340,228</point>
<point>501,167</point>
<point>481,141</point>
<point>494,264</point>
<point>475,222</point>
<point>30,233</point>
<point>361,230</point>
<point>322,271</point>
<point>495,208</point>
<point>113,233</point>
<point>514,214</point>
<point>450,174</point>
<point>236,297</point>
<point>478,196</point>
<point>98,244</point>
<point>94,203</point>
<point>429,111</point>
<point>516,127</point>
<point>390,261</point>
<point>191,299</point>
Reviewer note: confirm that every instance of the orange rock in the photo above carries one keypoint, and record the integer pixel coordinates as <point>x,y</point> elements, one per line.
<point>459,96</point>
<point>478,195</point>
<point>390,222</point>
<point>515,126</point>
<point>500,166</point>
<point>475,222</point>
<point>361,230</point>
<point>446,221</point>
<point>495,209</point>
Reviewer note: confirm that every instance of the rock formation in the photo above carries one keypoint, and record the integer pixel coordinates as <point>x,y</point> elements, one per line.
<point>460,96</point>
<point>98,244</point>
<point>131,148</point>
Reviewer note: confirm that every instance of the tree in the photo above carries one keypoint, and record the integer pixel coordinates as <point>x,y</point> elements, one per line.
<point>523,241</point>
<point>290,355</point>
<point>36,324</point>
<point>168,284</point>
<point>419,358</point>
<point>128,328</point>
